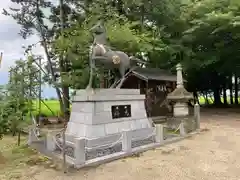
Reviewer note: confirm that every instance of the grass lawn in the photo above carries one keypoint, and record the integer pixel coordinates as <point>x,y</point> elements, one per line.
<point>18,161</point>
<point>15,158</point>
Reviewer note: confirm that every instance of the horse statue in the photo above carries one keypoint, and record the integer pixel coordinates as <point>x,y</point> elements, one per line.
<point>103,55</point>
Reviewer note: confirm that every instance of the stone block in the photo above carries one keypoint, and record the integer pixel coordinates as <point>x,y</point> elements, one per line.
<point>95,131</point>
<point>81,117</point>
<point>104,115</point>
<point>124,126</point>
<point>108,92</point>
<point>101,106</point>
<point>76,129</point>
<point>84,107</point>
<point>112,128</point>
<point>69,138</point>
<point>145,123</point>
<point>110,96</point>
<point>84,92</point>
<point>133,125</point>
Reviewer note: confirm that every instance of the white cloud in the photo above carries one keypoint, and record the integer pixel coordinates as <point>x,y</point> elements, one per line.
<point>11,45</point>
<point>10,41</point>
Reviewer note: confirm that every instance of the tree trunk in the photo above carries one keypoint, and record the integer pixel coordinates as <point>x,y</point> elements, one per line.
<point>66,103</point>
<point>224,94</point>
<point>217,98</point>
<point>64,69</point>
<point>196,100</point>
<point>19,137</point>
<point>206,98</point>
<point>45,47</point>
<point>231,90</point>
<point>236,89</point>
<point>142,17</point>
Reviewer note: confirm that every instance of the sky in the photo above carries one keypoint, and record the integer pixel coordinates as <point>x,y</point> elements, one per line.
<point>11,44</point>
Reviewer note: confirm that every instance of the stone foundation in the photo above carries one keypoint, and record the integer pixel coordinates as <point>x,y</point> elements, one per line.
<point>91,115</point>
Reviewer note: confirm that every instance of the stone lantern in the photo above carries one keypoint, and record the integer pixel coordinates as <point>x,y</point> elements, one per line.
<point>180,96</point>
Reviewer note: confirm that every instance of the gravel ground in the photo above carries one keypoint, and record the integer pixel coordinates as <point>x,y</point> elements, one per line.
<point>211,155</point>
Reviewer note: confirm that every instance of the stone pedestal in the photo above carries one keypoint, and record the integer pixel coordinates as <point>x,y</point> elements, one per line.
<point>92,113</point>
<point>180,109</point>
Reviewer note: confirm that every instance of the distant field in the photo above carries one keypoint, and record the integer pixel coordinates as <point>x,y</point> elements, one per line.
<point>54,106</point>
<point>48,108</point>
<point>210,100</point>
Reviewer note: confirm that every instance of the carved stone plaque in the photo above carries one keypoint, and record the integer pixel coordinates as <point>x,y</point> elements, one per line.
<point>121,111</point>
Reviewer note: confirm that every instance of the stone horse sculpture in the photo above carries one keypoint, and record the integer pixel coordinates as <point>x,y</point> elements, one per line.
<point>103,55</point>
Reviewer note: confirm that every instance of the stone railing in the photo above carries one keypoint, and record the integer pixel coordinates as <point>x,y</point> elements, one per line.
<point>83,152</point>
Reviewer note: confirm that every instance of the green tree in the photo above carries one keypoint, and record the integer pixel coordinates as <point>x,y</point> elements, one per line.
<point>16,97</point>
<point>212,34</point>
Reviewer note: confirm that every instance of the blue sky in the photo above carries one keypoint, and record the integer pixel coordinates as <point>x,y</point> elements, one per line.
<point>11,46</point>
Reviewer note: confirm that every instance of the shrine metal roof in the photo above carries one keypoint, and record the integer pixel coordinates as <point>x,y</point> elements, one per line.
<point>154,74</point>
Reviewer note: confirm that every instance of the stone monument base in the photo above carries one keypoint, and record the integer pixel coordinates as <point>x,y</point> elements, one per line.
<point>98,113</point>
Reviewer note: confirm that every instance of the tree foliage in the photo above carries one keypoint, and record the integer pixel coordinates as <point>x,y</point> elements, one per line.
<point>17,96</point>
<point>201,34</point>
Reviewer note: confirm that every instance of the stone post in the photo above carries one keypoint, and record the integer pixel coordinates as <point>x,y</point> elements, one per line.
<point>30,136</point>
<point>180,96</point>
<point>197,115</point>
<point>182,129</point>
<point>159,133</point>
<point>50,143</point>
<point>180,108</point>
<point>79,151</point>
<point>179,76</point>
<point>127,141</point>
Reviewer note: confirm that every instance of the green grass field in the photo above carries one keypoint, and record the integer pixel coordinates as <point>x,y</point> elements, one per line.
<point>202,100</point>
<point>48,107</point>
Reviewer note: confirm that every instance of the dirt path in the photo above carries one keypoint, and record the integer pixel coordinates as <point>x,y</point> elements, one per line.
<point>212,155</point>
